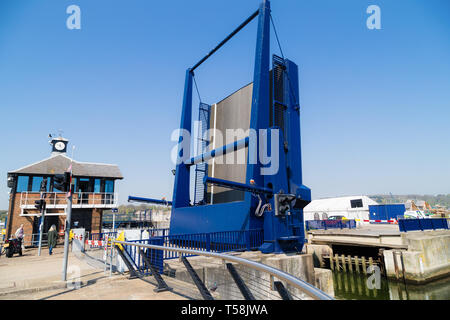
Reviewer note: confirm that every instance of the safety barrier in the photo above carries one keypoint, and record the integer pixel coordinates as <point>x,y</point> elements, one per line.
<point>330,224</point>
<point>224,241</point>
<point>151,250</point>
<point>391,221</point>
<point>34,241</point>
<point>102,235</point>
<point>406,225</point>
<point>162,232</point>
<point>97,240</point>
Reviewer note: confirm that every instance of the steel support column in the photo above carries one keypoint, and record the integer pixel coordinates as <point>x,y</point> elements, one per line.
<point>182,174</point>
<point>240,283</point>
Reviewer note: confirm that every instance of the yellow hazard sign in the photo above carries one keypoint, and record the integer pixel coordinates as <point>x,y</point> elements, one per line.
<point>121,237</point>
<point>3,231</point>
<point>71,235</point>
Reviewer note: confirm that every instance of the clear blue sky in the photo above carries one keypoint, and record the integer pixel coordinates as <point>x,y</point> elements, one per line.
<point>375,103</point>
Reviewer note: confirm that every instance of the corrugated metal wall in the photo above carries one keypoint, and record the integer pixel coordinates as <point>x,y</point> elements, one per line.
<point>231,113</point>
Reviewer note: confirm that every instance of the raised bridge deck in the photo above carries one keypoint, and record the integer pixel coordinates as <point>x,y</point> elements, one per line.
<point>383,236</point>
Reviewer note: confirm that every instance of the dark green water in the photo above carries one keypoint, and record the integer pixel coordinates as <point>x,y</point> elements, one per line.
<point>353,286</point>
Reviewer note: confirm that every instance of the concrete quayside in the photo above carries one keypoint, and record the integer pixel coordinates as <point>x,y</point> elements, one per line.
<point>414,257</point>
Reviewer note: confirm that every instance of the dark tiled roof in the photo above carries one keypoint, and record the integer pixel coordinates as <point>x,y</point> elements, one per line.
<point>60,163</point>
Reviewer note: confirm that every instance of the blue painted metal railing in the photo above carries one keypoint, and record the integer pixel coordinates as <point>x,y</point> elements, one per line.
<point>225,241</point>
<point>406,225</point>
<point>329,224</point>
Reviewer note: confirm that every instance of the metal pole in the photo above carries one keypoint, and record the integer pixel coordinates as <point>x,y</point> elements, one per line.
<point>242,25</point>
<point>114,222</point>
<point>66,236</point>
<point>41,226</point>
<point>68,224</point>
<point>110,256</point>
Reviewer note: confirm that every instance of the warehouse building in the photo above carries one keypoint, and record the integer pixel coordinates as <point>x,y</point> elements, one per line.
<point>353,207</point>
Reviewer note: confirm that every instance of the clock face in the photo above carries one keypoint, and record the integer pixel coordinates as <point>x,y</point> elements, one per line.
<point>60,146</point>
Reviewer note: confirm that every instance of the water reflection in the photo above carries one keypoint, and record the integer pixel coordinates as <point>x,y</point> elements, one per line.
<point>354,286</point>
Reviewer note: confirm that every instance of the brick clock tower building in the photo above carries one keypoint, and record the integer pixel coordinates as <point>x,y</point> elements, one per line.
<point>93,186</point>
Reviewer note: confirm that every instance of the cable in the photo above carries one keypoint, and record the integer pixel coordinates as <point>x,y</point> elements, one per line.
<point>260,290</point>
<point>282,55</point>
<point>244,274</point>
<point>243,271</point>
<point>276,35</point>
<point>196,88</point>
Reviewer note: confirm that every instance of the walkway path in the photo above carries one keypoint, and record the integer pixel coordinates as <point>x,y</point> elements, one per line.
<point>34,277</point>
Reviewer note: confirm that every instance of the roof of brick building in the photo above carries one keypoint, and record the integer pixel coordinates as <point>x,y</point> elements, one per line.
<point>58,164</point>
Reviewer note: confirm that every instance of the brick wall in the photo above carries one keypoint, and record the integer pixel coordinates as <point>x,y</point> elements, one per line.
<point>97,215</point>
<point>15,220</point>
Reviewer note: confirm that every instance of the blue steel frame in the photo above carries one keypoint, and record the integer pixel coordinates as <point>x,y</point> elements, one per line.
<point>239,215</point>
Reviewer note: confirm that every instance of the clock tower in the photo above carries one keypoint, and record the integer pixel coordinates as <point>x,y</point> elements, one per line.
<point>59,145</point>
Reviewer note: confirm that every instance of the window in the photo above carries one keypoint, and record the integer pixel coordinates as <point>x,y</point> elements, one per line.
<point>74,184</point>
<point>109,186</point>
<point>324,216</point>
<point>55,189</point>
<point>316,216</point>
<point>357,203</point>
<point>97,185</point>
<point>36,185</point>
<point>22,183</point>
<point>83,185</point>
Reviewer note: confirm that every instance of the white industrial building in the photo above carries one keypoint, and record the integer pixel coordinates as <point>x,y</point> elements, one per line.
<point>354,207</point>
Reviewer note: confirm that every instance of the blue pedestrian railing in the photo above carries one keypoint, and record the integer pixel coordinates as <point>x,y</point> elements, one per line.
<point>329,224</point>
<point>158,232</point>
<point>225,241</point>
<point>406,225</point>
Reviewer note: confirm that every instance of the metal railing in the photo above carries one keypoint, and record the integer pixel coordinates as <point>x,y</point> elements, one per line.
<point>33,241</point>
<point>224,241</point>
<point>79,200</point>
<point>422,224</point>
<point>329,224</point>
<point>98,240</point>
<point>289,279</point>
<point>102,235</point>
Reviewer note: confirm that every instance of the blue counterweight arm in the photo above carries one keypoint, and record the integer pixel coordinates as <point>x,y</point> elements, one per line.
<point>149,200</point>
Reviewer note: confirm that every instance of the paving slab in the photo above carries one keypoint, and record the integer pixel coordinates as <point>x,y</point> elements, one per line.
<point>40,277</point>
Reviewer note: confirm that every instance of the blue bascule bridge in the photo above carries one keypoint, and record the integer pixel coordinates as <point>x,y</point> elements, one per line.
<point>249,202</point>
